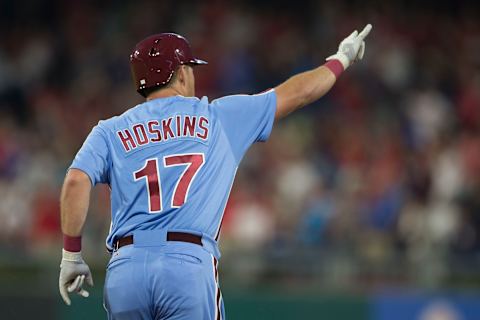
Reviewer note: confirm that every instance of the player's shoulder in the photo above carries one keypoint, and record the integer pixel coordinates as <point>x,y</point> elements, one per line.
<point>119,120</point>
<point>151,109</point>
<point>239,99</point>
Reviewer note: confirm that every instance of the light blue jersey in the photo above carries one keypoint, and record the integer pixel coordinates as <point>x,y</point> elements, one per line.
<point>171,162</point>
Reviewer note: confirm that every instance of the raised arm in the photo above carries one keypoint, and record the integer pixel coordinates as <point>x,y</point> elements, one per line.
<point>307,87</point>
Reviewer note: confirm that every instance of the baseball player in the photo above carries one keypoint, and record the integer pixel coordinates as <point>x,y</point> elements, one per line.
<point>170,163</point>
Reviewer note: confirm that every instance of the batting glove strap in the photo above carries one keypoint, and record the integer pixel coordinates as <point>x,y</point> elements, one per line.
<point>72,256</point>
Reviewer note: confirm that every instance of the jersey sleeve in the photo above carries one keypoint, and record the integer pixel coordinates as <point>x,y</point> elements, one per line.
<point>246,118</point>
<point>93,158</point>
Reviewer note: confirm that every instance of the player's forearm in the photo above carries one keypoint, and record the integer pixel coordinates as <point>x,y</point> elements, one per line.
<point>302,89</point>
<point>74,202</point>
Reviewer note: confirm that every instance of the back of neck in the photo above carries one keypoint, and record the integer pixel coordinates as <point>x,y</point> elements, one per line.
<point>164,93</point>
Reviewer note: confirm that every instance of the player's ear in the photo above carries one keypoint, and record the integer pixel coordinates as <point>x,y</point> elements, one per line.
<point>181,76</point>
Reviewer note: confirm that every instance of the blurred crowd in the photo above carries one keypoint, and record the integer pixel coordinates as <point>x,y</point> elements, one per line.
<point>379,179</point>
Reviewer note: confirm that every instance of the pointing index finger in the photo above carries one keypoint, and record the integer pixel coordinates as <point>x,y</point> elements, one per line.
<point>365,31</point>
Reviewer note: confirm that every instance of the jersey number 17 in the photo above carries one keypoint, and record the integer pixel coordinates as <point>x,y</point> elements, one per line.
<point>149,172</point>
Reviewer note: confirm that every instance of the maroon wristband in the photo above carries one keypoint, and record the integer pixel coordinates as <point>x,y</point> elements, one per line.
<point>72,244</point>
<point>335,66</point>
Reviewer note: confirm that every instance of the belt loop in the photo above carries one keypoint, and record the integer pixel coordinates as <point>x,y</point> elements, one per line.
<point>211,245</point>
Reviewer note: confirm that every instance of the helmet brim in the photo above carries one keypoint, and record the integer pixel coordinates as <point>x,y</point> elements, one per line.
<point>199,61</point>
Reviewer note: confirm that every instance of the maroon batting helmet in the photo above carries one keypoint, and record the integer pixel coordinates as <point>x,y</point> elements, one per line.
<point>155,59</point>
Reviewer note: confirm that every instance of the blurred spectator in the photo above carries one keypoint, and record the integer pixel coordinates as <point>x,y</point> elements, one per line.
<point>385,168</point>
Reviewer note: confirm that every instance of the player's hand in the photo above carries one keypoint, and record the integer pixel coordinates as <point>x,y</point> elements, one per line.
<point>73,273</point>
<point>352,48</point>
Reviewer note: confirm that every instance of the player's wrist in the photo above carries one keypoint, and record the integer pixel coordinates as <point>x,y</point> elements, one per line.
<point>342,58</point>
<point>335,66</point>
<point>72,244</point>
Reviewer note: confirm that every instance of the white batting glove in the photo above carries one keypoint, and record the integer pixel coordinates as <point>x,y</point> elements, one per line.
<point>73,272</point>
<point>352,48</point>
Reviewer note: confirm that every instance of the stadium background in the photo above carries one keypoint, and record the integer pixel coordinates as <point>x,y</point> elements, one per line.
<point>365,205</point>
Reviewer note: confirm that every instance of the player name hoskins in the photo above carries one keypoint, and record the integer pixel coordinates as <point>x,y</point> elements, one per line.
<point>155,131</point>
